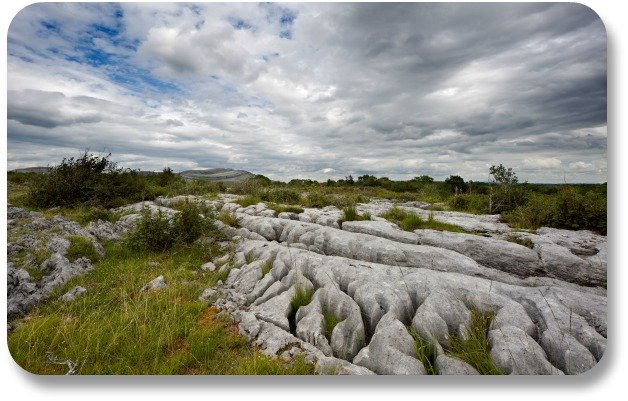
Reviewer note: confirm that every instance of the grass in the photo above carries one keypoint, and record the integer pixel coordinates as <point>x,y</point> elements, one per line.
<point>475,349</point>
<point>302,296</point>
<point>81,247</point>
<point>116,329</point>
<point>350,213</point>
<point>410,221</point>
<point>228,218</point>
<point>278,208</point>
<point>425,352</point>
<point>267,267</point>
<point>248,200</point>
<point>527,242</point>
<point>330,320</point>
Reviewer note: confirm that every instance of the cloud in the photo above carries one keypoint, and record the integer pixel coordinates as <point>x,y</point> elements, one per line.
<point>313,90</point>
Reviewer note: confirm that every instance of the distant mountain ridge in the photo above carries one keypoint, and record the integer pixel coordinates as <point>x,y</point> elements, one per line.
<point>210,174</point>
<point>217,174</point>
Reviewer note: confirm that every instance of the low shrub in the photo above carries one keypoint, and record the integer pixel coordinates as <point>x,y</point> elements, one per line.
<point>158,232</point>
<point>568,209</point>
<point>228,218</point>
<point>281,195</point>
<point>285,208</point>
<point>350,213</point>
<point>89,179</point>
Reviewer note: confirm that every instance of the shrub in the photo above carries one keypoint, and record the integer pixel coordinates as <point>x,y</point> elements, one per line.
<point>281,195</point>
<point>568,209</point>
<point>285,208</point>
<point>228,218</point>
<point>89,179</point>
<point>317,199</point>
<point>157,232</point>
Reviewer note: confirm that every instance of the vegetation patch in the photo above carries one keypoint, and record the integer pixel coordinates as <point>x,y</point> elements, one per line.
<point>330,321</point>
<point>302,296</point>
<point>228,218</point>
<point>350,213</point>
<point>248,200</point>
<point>81,247</point>
<point>410,221</point>
<point>267,267</point>
<point>527,242</point>
<point>116,329</point>
<point>285,208</point>
<point>158,232</point>
<point>425,352</point>
<point>475,349</point>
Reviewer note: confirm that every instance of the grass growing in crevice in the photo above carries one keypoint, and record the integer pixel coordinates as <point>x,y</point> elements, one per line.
<point>117,329</point>
<point>475,349</point>
<point>228,218</point>
<point>302,296</point>
<point>410,221</point>
<point>81,247</point>
<point>330,321</point>
<point>248,200</point>
<point>350,213</point>
<point>285,208</point>
<point>267,267</point>
<point>527,242</point>
<point>425,352</point>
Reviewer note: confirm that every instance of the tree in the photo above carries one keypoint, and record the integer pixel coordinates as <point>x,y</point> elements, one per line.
<point>503,175</point>
<point>349,180</point>
<point>424,179</point>
<point>456,184</point>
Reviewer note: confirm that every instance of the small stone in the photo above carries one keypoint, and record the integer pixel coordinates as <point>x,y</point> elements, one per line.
<point>73,294</point>
<point>208,294</point>
<point>153,263</point>
<point>209,266</point>
<point>157,284</point>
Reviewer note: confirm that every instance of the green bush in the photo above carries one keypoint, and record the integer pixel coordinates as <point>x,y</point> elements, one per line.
<point>568,209</point>
<point>470,203</point>
<point>281,195</point>
<point>89,179</point>
<point>157,232</point>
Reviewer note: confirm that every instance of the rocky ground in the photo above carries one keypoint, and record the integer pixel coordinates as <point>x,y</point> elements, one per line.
<point>377,281</point>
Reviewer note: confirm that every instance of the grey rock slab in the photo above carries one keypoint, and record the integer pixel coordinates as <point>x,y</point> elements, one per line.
<point>391,350</point>
<point>517,353</point>
<point>383,229</point>
<point>490,252</point>
<point>447,365</point>
<point>567,353</point>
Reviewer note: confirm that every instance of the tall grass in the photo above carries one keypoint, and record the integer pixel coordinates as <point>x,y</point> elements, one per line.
<point>117,329</point>
<point>474,349</point>
<point>409,221</point>
<point>425,352</point>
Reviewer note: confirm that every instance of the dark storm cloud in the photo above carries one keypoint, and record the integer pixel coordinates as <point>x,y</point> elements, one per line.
<point>315,90</point>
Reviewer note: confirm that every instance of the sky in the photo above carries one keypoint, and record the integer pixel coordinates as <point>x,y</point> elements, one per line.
<point>315,91</point>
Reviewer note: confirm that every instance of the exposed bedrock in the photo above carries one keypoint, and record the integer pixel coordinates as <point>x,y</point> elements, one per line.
<point>536,329</point>
<point>469,254</point>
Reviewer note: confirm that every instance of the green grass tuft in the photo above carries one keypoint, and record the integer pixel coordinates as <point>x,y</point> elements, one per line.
<point>330,320</point>
<point>302,296</point>
<point>410,221</point>
<point>527,242</point>
<point>81,247</point>
<point>248,200</point>
<point>475,349</point>
<point>425,352</point>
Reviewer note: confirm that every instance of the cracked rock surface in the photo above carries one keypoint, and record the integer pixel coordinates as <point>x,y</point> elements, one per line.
<point>376,283</point>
